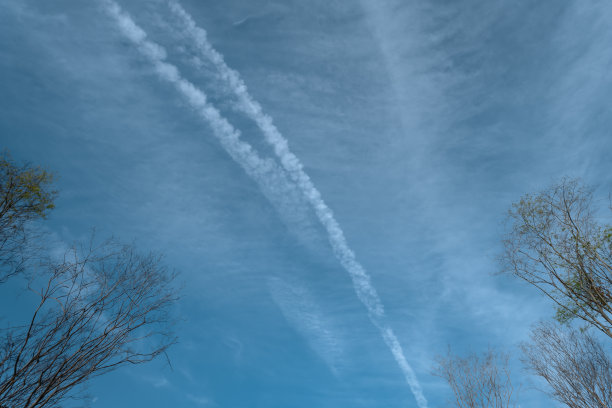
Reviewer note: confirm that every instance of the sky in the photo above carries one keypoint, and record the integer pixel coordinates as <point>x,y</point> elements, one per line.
<point>330,178</point>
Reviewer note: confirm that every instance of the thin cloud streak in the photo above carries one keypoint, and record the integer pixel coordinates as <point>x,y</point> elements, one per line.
<point>302,312</point>
<point>291,164</point>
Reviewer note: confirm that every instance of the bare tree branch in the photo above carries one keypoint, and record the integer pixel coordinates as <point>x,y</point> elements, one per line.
<point>99,309</point>
<point>478,381</point>
<point>573,363</point>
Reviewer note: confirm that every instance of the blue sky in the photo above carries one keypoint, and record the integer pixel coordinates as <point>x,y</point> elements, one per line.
<point>419,123</point>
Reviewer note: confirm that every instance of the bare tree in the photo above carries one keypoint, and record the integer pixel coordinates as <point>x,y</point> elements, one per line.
<point>558,245</point>
<point>97,312</point>
<point>478,381</point>
<point>25,195</point>
<point>573,363</point>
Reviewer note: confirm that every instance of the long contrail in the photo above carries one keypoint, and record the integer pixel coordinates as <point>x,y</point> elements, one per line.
<point>272,180</point>
<point>292,165</point>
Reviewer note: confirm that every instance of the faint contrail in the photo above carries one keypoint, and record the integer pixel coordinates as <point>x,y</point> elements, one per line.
<point>361,280</point>
<point>273,181</point>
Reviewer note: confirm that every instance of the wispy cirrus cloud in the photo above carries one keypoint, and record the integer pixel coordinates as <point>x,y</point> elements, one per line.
<point>262,171</point>
<point>201,400</point>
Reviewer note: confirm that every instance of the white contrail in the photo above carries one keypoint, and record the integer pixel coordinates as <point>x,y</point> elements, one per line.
<point>361,280</point>
<point>273,181</point>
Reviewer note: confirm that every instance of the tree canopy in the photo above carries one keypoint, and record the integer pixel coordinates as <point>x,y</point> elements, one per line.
<point>100,306</point>
<point>559,244</point>
<point>26,194</point>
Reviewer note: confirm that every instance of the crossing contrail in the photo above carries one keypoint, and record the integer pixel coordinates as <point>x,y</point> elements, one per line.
<point>272,180</point>
<point>292,165</point>
<point>261,170</point>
